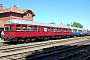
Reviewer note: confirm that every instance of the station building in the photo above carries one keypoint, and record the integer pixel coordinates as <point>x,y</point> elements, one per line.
<point>14,12</point>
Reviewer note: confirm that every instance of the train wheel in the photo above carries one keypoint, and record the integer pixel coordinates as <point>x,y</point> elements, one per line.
<point>27,40</point>
<point>20,41</point>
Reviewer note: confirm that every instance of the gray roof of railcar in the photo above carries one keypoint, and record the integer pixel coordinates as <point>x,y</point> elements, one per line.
<point>77,28</point>
<point>17,21</point>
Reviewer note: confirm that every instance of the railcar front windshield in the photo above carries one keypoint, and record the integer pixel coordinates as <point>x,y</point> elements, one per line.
<point>6,28</point>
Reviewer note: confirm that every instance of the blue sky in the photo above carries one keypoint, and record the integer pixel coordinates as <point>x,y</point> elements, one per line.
<point>47,11</point>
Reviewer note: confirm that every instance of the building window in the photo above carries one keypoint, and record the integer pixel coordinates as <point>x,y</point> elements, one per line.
<point>28,15</point>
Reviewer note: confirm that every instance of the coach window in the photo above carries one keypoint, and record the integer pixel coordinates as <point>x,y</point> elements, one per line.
<point>18,28</point>
<point>80,30</point>
<point>24,28</point>
<point>35,28</point>
<point>70,30</point>
<point>51,29</point>
<point>12,28</point>
<point>54,29</point>
<point>48,29</point>
<point>30,28</point>
<point>45,29</point>
<point>84,30</point>
<point>75,30</point>
<point>59,29</point>
<point>6,28</point>
<point>64,30</point>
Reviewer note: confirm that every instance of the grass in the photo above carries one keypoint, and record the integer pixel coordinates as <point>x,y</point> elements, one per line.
<point>88,38</point>
<point>1,40</point>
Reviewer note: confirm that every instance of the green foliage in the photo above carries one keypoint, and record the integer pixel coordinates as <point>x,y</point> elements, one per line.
<point>52,23</point>
<point>78,25</point>
<point>68,24</point>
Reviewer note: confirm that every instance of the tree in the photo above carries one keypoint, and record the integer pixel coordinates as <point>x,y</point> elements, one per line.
<point>78,25</point>
<point>52,23</point>
<point>68,24</point>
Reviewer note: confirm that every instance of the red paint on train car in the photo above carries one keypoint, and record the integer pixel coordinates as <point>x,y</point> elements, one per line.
<point>27,30</point>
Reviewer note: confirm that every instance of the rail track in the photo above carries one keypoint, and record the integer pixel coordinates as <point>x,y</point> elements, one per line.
<point>22,50</point>
<point>87,57</point>
<point>12,48</point>
<point>8,43</point>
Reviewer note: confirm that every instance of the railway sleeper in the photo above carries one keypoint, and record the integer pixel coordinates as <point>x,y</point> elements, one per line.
<point>16,57</point>
<point>17,48</point>
<point>53,54</point>
<point>71,55</point>
<point>48,53</point>
<point>24,55</point>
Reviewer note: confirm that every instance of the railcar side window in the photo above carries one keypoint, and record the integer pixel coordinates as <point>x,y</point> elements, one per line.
<point>71,30</point>
<point>6,28</point>
<point>24,28</point>
<point>74,30</point>
<point>11,28</point>
<point>68,30</point>
<point>49,29</point>
<point>60,30</point>
<point>30,28</point>
<point>57,29</point>
<point>80,30</point>
<point>35,28</point>
<point>65,30</point>
<point>84,30</point>
<point>18,28</point>
<point>45,29</point>
<point>54,29</point>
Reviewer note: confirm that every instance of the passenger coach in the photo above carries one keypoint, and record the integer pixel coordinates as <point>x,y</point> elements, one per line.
<point>23,30</point>
<point>78,31</point>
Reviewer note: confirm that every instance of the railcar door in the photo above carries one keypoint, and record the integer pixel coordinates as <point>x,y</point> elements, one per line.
<point>11,30</point>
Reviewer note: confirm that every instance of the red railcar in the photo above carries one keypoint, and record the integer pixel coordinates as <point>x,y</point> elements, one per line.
<point>23,30</point>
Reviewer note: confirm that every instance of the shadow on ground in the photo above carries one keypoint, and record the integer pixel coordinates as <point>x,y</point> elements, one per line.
<point>57,52</point>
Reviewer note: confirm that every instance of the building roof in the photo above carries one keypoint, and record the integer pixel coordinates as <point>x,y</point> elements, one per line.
<point>17,21</point>
<point>16,10</point>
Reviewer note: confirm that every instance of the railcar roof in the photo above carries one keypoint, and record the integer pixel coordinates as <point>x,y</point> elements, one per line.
<point>78,28</point>
<point>17,21</point>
